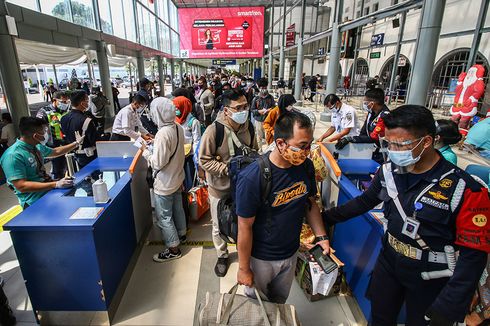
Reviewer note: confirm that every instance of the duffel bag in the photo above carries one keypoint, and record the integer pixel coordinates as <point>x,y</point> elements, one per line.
<point>238,310</point>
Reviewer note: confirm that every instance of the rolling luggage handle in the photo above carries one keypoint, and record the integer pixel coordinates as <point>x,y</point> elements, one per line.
<point>227,312</point>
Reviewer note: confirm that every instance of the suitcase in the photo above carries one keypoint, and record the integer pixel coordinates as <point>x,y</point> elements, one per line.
<point>198,199</point>
<point>235,310</point>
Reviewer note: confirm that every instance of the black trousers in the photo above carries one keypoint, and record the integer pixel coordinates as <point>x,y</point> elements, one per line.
<point>396,279</point>
<point>58,164</point>
<point>312,95</point>
<point>117,137</point>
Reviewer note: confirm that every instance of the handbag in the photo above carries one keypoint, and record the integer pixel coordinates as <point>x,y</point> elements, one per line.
<point>234,309</point>
<point>198,199</point>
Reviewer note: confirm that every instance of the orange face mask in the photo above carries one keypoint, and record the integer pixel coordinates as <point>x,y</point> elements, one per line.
<point>295,156</point>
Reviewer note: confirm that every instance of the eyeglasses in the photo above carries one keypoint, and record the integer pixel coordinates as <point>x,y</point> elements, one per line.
<point>299,149</point>
<point>240,108</point>
<point>397,145</point>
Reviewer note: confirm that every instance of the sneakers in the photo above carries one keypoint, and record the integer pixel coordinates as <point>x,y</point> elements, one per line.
<point>166,255</point>
<point>221,267</point>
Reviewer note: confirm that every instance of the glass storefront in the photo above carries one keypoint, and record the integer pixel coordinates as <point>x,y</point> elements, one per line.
<point>157,21</point>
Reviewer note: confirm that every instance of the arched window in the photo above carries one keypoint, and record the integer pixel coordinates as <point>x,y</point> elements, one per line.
<point>450,66</point>
<point>404,67</point>
<point>359,79</point>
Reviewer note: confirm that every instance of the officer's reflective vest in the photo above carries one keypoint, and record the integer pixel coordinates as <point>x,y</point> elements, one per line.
<point>54,119</point>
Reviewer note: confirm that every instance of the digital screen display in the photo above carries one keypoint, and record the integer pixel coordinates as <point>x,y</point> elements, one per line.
<point>234,32</point>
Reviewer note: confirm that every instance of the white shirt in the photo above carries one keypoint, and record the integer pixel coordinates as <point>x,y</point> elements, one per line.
<point>8,133</point>
<point>346,117</point>
<point>126,122</point>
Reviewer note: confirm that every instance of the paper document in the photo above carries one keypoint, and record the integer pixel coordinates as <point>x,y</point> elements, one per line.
<point>322,283</point>
<point>139,142</point>
<point>86,213</point>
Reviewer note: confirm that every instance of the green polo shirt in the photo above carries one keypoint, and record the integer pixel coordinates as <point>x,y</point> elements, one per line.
<point>18,162</point>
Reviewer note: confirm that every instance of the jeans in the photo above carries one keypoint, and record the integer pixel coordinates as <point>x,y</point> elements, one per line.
<point>219,243</point>
<point>274,278</point>
<point>170,218</point>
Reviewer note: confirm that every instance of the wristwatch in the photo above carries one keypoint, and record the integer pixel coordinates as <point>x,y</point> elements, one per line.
<point>321,238</point>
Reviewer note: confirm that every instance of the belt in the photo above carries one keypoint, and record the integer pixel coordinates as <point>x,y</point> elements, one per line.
<point>415,253</point>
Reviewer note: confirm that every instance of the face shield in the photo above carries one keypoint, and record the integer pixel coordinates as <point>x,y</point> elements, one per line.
<point>401,153</point>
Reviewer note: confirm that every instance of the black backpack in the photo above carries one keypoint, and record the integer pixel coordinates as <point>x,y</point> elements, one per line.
<point>227,217</point>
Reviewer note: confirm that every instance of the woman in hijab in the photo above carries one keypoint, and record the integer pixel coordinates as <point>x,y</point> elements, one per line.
<point>192,135</point>
<point>284,104</point>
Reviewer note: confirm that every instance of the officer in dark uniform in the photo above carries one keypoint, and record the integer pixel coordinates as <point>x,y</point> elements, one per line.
<point>52,115</point>
<point>77,123</point>
<point>433,209</point>
<point>374,127</point>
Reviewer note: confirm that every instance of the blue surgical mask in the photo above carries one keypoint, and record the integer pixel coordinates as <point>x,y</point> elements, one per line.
<point>178,113</point>
<point>405,158</point>
<point>63,106</point>
<point>240,117</point>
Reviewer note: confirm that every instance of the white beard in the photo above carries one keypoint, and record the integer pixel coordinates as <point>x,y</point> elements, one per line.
<point>468,81</point>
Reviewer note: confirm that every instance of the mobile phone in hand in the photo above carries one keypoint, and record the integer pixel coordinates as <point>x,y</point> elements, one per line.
<point>325,262</point>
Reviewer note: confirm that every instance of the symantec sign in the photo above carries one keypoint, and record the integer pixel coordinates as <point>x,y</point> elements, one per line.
<point>211,33</point>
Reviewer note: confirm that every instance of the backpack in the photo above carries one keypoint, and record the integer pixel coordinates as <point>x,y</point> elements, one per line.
<point>227,218</point>
<point>191,121</point>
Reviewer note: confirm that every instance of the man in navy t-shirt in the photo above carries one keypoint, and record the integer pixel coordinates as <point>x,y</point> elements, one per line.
<point>268,237</point>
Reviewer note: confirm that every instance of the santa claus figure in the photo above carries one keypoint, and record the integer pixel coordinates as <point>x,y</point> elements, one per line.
<point>469,89</point>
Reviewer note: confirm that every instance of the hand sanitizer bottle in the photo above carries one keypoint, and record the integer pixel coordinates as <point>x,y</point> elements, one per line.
<point>99,189</point>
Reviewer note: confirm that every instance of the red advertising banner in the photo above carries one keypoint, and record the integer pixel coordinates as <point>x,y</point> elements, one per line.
<point>291,35</point>
<point>212,33</point>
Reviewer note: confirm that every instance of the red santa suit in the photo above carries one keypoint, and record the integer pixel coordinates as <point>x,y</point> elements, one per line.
<point>469,89</point>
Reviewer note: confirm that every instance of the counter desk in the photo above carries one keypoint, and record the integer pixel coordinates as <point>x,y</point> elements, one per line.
<point>358,241</point>
<point>77,263</point>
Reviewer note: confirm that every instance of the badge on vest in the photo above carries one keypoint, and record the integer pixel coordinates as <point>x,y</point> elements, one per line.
<point>411,227</point>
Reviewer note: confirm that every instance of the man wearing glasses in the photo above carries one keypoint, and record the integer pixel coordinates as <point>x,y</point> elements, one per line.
<point>231,132</point>
<point>434,209</point>
<point>269,232</point>
<point>344,119</point>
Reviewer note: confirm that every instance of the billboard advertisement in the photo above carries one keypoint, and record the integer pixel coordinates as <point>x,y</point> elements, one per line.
<point>233,32</point>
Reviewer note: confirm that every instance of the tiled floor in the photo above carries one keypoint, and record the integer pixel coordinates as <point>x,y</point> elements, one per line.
<point>167,294</point>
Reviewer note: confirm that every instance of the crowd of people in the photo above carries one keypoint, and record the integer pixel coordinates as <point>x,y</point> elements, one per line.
<point>193,135</point>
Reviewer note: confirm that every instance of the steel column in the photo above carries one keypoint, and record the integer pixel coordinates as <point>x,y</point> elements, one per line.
<point>333,61</point>
<point>161,77</point>
<point>13,85</point>
<point>271,42</point>
<point>430,30</point>
<point>140,62</point>
<point>403,18</point>
<point>300,54</point>
<point>283,42</point>
<point>105,76</point>
<point>477,36</point>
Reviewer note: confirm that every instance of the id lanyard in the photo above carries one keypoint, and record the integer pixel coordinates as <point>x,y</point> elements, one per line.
<point>411,224</point>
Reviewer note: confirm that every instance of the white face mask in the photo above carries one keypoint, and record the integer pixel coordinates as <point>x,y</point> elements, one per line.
<point>365,107</point>
<point>239,117</point>
<point>46,138</point>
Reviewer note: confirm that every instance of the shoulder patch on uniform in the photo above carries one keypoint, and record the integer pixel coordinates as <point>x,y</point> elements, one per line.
<point>479,220</point>
<point>348,116</point>
<point>446,183</point>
